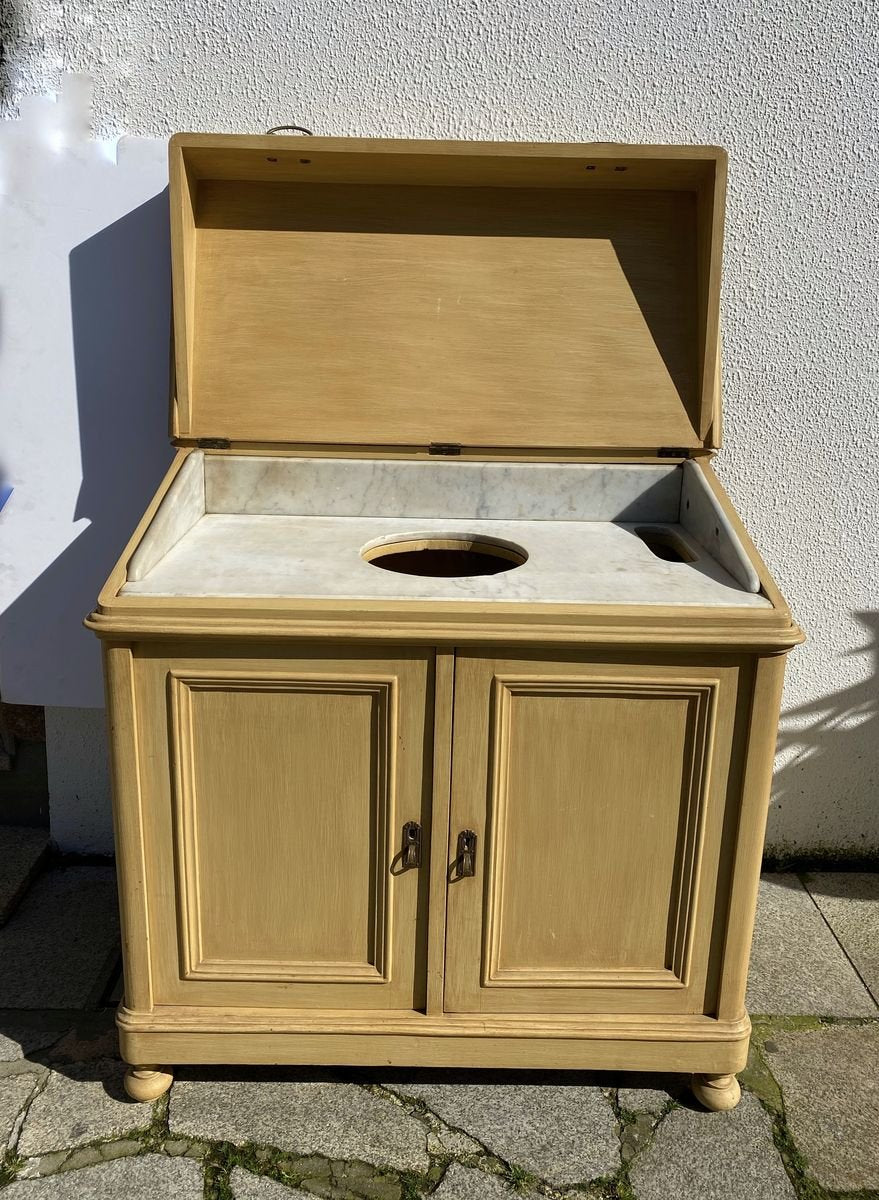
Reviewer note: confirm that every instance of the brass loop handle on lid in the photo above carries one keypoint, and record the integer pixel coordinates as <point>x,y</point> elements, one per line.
<point>290,128</point>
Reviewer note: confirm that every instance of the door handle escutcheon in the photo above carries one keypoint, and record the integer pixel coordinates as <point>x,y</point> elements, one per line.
<point>465,862</point>
<point>411,845</point>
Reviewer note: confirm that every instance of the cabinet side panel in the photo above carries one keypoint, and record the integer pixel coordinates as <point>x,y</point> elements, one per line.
<point>128,826</point>
<point>748,852</point>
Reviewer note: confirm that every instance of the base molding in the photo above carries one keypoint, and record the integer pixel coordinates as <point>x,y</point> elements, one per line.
<point>606,1042</point>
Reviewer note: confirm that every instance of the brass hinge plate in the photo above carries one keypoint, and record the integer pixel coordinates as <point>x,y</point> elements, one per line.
<point>213,443</point>
<point>446,449</point>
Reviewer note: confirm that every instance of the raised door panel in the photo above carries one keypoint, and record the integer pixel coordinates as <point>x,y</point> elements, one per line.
<point>288,783</point>
<point>597,791</point>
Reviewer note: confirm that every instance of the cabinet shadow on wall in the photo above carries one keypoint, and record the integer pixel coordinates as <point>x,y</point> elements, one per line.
<point>830,749</point>
<point>120,295</point>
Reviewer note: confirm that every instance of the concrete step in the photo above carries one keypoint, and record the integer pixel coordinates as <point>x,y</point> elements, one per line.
<point>21,854</point>
<point>61,947</point>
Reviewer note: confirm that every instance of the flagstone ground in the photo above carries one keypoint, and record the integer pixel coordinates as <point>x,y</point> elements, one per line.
<point>807,1127</point>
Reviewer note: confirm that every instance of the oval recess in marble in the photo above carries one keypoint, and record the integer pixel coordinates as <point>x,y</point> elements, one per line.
<point>666,543</point>
<point>444,555</point>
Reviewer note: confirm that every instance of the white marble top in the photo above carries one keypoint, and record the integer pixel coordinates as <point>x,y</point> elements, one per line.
<point>444,488</point>
<point>569,562</point>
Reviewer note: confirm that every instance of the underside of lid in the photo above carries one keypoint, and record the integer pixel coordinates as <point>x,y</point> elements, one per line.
<point>375,293</point>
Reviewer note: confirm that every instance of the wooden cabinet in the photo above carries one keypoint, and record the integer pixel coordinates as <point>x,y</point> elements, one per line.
<point>604,796</point>
<point>595,791</point>
<point>443,677</point>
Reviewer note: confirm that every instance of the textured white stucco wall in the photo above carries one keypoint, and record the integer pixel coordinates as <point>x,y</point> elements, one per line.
<point>788,88</point>
<point>79,782</point>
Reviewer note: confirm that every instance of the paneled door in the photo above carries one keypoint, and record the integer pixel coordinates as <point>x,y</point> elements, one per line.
<point>596,791</point>
<point>288,781</point>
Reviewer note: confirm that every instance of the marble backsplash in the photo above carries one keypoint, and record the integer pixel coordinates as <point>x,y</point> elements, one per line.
<point>449,488</point>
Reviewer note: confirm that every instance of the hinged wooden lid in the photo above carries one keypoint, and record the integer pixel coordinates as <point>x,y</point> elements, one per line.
<point>392,293</point>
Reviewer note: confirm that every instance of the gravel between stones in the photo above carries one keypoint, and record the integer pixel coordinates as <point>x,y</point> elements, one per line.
<point>149,1177</point>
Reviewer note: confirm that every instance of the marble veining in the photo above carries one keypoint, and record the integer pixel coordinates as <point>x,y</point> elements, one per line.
<point>703,517</point>
<point>569,562</point>
<point>181,507</point>
<point>452,488</point>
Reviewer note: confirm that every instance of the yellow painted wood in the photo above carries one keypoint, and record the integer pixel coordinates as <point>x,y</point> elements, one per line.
<point>374,293</point>
<point>430,623</point>
<point>443,714</point>
<point>757,761</point>
<point>597,792</point>
<point>685,1054</point>
<point>612,1043</point>
<point>718,1093</point>
<point>145,1084</point>
<point>284,790</point>
<point>129,817</point>
<point>168,1018</point>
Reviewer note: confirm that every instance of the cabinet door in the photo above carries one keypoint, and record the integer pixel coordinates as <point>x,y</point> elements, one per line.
<point>596,790</point>
<point>277,788</point>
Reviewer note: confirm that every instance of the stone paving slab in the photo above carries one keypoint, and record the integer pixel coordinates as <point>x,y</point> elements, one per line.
<point>305,1116</point>
<point>17,1043</point>
<point>563,1133</point>
<point>637,1100</point>
<point>797,965</point>
<point>712,1156</point>
<point>246,1186</point>
<point>94,1035</point>
<point>464,1183</point>
<point>148,1177</point>
<point>57,948</point>
<point>83,1104</point>
<point>849,901</point>
<point>21,852</point>
<point>15,1091</point>
<point>830,1084</point>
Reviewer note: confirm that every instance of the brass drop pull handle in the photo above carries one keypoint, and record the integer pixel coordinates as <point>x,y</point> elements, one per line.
<point>411,845</point>
<point>465,862</point>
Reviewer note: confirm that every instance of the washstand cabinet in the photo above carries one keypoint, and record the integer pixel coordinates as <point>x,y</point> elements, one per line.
<point>443,678</point>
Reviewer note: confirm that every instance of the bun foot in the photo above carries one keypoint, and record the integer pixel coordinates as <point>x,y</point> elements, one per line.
<point>718,1093</point>
<point>147,1083</point>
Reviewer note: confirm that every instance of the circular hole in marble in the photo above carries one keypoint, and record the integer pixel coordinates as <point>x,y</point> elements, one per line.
<point>444,555</point>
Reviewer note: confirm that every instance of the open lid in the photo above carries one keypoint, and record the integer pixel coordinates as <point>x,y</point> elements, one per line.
<point>396,294</point>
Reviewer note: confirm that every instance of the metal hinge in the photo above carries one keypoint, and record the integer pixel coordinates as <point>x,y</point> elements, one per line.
<point>213,443</point>
<point>673,452</point>
<point>450,449</point>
